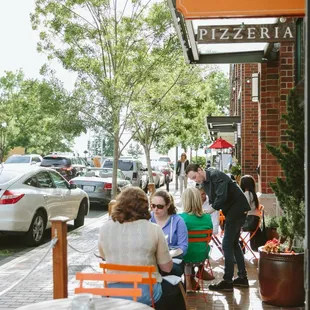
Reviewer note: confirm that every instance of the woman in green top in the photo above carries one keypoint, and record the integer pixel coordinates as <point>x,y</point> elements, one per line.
<point>195,219</point>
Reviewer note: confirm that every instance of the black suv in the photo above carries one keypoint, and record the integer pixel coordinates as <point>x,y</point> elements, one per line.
<point>68,166</point>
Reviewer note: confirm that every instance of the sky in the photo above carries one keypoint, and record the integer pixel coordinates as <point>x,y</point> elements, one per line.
<point>18,49</point>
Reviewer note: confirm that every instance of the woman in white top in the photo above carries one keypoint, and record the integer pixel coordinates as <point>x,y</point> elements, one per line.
<point>247,184</point>
<point>130,239</point>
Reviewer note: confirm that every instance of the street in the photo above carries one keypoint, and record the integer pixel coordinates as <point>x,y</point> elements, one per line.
<point>14,246</point>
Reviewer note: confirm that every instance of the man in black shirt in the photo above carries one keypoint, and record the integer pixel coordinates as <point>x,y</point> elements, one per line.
<point>225,194</point>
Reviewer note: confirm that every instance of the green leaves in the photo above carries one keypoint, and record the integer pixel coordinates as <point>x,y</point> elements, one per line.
<point>37,114</point>
<point>290,190</point>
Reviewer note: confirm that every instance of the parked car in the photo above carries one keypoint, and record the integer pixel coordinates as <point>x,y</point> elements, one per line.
<point>31,196</point>
<point>97,183</point>
<point>68,166</point>
<point>133,169</point>
<point>166,169</point>
<point>27,159</point>
<point>166,159</point>
<point>158,176</point>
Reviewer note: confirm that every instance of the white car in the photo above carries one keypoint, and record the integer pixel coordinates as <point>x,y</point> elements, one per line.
<point>31,196</point>
<point>28,159</point>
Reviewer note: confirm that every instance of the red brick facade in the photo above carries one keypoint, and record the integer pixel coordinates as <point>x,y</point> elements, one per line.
<point>261,121</point>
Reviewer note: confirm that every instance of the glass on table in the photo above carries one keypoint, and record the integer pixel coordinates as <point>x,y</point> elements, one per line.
<point>83,302</point>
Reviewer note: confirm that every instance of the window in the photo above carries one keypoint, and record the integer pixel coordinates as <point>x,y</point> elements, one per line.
<point>59,181</point>
<point>45,180</point>
<point>124,165</point>
<point>36,159</point>
<point>32,182</point>
<point>300,51</point>
<point>120,174</point>
<point>55,161</point>
<point>18,160</point>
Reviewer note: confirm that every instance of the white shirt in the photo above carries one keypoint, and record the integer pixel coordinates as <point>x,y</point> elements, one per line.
<point>215,216</point>
<point>182,169</point>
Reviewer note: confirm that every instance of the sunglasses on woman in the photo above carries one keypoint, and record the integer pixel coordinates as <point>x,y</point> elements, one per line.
<point>160,207</point>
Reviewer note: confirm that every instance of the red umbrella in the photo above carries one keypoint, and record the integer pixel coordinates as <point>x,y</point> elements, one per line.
<point>220,144</point>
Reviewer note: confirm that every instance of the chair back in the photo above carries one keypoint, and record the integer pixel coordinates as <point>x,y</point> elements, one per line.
<point>106,291</point>
<point>150,280</point>
<point>207,238</point>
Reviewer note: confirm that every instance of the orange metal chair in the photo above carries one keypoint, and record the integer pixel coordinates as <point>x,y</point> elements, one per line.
<point>192,238</point>
<point>134,292</point>
<point>246,237</point>
<point>150,280</point>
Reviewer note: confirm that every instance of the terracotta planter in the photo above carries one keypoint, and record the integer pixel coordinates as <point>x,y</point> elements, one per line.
<point>281,278</point>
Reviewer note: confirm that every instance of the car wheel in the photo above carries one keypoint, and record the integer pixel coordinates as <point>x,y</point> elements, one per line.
<point>79,221</point>
<point>35,234</point>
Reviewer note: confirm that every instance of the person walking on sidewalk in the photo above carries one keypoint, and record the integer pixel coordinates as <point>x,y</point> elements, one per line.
<point>180,172</point>
<point>224,194</point>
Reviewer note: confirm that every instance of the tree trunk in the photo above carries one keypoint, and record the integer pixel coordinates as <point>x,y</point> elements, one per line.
<point>148,162</point>
<point>115,165</point>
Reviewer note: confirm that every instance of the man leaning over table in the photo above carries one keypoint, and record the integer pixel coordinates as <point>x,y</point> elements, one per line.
<point>225,194</point>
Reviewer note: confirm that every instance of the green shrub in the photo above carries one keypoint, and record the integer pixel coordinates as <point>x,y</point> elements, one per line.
<point>200,160</point>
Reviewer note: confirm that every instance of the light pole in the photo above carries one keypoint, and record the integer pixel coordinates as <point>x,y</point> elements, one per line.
<point>3,126</point>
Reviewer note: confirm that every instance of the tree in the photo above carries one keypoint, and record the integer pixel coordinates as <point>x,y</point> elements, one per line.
<point>290,190</point>
<point>135,150</point>
<point>36,114</point>
<point>218,90</point>
<point>106,43</point>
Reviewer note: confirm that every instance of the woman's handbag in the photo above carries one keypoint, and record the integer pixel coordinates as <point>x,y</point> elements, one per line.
<point>251,222</point>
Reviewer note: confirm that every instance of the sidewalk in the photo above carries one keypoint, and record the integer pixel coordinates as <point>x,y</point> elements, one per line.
<point>38,286</point>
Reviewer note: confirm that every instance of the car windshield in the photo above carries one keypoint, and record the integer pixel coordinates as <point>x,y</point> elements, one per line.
<point>124,165</point>
<point>165,159</point>
<point>18,160</point>
<point>8,175</point>
<point>55,161</point>
<point>103,173</point>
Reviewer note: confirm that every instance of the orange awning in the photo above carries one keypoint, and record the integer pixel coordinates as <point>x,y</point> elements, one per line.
<point>200,9</point>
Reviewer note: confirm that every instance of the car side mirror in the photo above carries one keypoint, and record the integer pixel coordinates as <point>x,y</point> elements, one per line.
<point>127,178</point>
<point>72,186</point>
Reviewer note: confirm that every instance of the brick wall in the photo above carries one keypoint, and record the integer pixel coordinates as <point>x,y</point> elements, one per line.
<point>249,123</point>
<point>277,78</point>
<point>261,121</point>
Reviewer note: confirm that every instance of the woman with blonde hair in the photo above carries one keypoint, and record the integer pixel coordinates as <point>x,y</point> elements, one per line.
<point>195,219</point>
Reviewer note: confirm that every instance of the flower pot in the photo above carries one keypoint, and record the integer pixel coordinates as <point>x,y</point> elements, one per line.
<point>281,278</point>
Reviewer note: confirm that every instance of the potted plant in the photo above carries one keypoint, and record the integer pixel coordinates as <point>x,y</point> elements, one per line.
<point>281,268</point>
<point>272,225</point>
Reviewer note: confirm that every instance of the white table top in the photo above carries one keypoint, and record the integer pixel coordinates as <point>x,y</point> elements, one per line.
<point>100,303</point>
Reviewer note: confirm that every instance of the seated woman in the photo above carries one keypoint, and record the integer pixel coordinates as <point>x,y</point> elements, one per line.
<point>247,184</point>
<point>130,239</point>
<point>164,214</point>
<point>195,219</point>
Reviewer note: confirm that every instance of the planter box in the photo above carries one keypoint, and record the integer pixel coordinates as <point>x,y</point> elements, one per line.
<point>281,278</point>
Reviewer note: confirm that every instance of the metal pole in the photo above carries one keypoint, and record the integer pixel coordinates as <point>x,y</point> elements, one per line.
<point>175,168</point>
<point>307,164</point>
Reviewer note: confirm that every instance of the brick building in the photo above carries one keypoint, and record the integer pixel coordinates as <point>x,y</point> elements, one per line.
<point>260,117</point>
